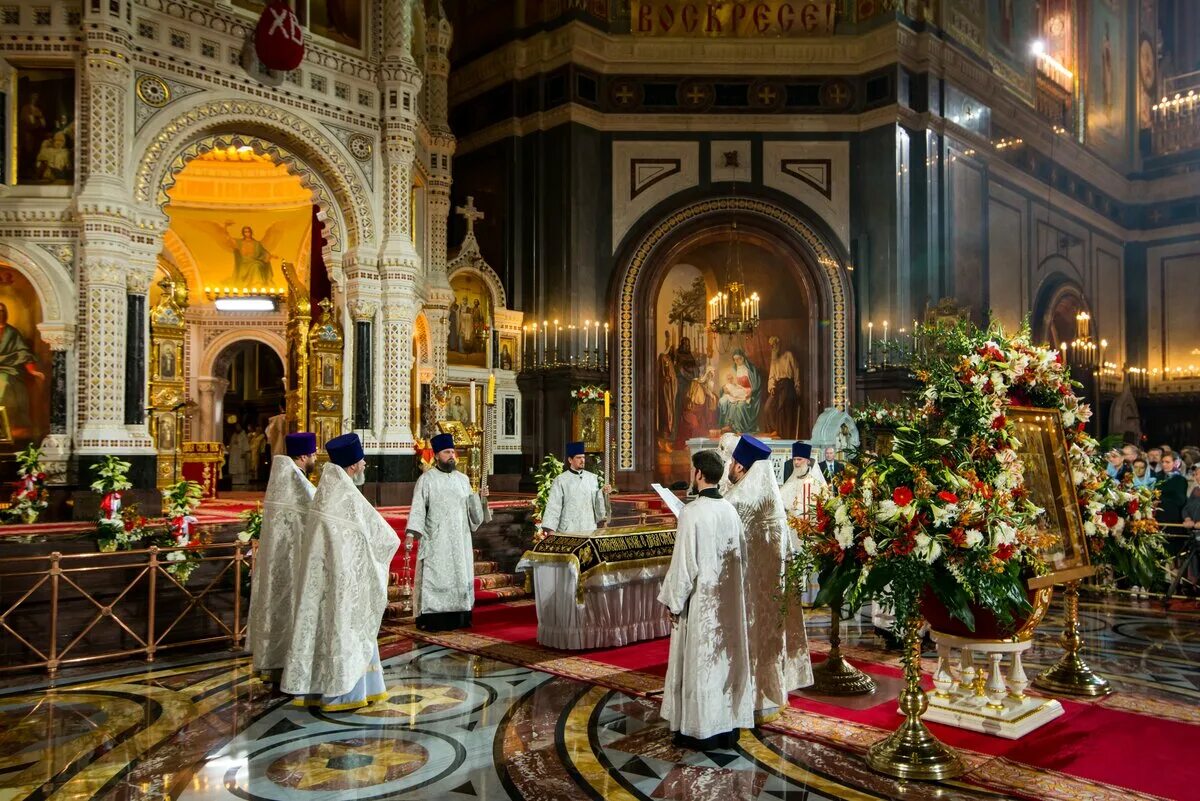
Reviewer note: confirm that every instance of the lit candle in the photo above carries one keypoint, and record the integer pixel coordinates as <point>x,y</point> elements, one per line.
<point>557,328</point>
<point>607,402</point>
<point>545,343</point>
<point>606,343</point>
<point>491,390</point>
<point>472,401</point>
<point>586,326</point>
<point>870,341</point>
<point>885,332</point>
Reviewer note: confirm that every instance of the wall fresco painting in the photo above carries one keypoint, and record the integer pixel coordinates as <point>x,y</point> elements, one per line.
<point>24,362</point>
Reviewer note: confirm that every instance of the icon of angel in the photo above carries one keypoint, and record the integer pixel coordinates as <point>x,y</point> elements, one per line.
<point>251,256</point>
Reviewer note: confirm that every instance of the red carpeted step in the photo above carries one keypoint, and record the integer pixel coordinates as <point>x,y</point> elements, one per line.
<point>483,568</point>
<point>490,581</point>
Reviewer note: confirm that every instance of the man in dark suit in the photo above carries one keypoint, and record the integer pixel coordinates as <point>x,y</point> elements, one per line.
<point>1173,487</point>
<point>830,467</point>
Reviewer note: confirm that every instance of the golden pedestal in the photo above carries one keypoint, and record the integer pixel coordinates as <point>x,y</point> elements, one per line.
<point>1071,675</point>
<point>912,752</point>
<point>836,676</point>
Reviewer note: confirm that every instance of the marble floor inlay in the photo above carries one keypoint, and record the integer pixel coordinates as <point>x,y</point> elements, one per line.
<point>462,726</point>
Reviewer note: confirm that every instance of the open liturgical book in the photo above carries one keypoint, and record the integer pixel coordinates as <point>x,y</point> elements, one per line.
<point>669,498</point>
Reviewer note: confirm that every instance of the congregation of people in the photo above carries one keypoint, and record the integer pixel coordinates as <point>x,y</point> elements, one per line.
<point>1175,474</point>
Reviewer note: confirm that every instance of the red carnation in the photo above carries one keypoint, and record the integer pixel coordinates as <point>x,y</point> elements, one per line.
<point>947,496</point>
<point>1005,552</point>
<point>902,496</point>
<point>847,486</point>
<point>958,536</point>
<point>998,422</point>
<point>1109,517</point>
<point>1133,507</point>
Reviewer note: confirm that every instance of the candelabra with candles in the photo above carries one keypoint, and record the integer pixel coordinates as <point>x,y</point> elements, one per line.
<point>893,350</point>
<point>733,311</point>
<point>553,345</point>
<point>1087,356</point>
<point>1139,381</point>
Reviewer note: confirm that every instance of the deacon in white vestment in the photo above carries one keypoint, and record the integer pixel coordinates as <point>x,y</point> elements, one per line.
<point>445,513</point>
<point>800,492</point>
<point>778,646</point>
<point>272,584</point>
<point>708,693</point>
<point>341,590</point>
<point>576,504</point>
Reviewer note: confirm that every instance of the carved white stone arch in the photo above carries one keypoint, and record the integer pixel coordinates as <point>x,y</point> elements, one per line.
<point>317,159</point>
<point>476,264</point>
<point>50,280</point>
<point>213,350</point>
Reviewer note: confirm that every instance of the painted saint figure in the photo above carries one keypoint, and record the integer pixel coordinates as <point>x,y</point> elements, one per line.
<point>667,383</point>
<point>17,360</point>
<point>741,399</point>
<point>781,411</point>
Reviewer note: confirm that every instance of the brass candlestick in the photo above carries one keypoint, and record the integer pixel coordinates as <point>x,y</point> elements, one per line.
<point>912,752</point>
<point>1071,675</point>
<point>836,676</point>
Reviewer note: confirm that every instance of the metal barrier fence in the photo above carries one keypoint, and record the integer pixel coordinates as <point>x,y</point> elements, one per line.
<point>61,609</point>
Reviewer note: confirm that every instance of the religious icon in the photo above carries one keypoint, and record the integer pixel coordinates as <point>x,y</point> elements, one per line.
<point>469,321</point>
<point>251,255</point>
<point>587,426</point>
<point>166,361</point>
<point>1043,449</point>
<point>45,126</point>
<point>24,391</point>
<point>509,351</point>
<point>510,417</point>
<point>327,373</point>
<point>741,395</point>
<point>458,405</point>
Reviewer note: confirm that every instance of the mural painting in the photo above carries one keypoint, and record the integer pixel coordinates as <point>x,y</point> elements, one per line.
<point>1106,84</point>
<point>705,385</point>
<point>458,405</point>
<point>243,248</point>
<point>45,127</point>
<point>24,363</point>
<point>1011,25</point>
<point>469,321</point>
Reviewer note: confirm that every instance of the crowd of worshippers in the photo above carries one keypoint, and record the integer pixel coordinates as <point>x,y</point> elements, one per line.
<point>319,586</point>
<point>1175,474</point>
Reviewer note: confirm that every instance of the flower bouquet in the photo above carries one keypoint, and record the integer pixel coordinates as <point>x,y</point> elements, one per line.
<point>117,526</point>
<point>181,500</point>
<point>29,498</point>
<point>549,470</point>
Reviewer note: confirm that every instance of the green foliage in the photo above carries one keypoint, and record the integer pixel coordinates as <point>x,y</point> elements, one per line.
<point>549,470</point>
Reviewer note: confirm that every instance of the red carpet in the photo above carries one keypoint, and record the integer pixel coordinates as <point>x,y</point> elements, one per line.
<point>1140,752</point>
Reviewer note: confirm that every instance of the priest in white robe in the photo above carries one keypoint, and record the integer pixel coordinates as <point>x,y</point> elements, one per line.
<point>800,491</point>
<point>725,446</point>
<point>341,590</point>
<point>708,693</point>
<point>272,584</point>
<point>779,657</point>
<point>445,513</point>
<point>577,503</point>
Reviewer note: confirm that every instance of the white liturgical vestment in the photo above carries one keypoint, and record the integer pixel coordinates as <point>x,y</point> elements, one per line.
<point>778,646</point>
<point>445,513</point>
<point>272,586</point>
<point>576,503</point>
<point>341,589</point>
<point>800,492</point>
<point>708,688</point>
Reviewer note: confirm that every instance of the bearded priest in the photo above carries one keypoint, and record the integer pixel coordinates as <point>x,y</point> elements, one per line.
<point>576,502</point>
<point>445,513</point>
<point>708,693</point>
<point>802,487</point>
<point>333,661</point>
<point>272,585</point>
<point>779,657</point>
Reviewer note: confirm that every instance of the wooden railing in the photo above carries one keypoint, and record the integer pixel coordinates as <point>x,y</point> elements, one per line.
<point>58,610</point>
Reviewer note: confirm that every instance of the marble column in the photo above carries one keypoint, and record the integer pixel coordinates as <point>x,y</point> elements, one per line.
<point>363,381</point>
<point>56,446</point>
<point>135,359</point>
<point>212,407</point>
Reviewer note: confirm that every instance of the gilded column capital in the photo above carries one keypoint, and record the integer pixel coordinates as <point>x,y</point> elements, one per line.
<point>363,311</point>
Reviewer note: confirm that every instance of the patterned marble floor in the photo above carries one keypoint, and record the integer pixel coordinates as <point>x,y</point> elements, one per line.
<point>458,726</point>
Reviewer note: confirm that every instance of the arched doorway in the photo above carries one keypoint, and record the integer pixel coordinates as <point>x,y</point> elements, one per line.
<point>1059,309</point>
<point>253,395</point>
<point>668,393</point>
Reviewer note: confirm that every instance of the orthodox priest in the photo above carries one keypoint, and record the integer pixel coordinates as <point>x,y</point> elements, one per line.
<point>333,661</point>
<point>708,693</point>
<point>779,658</point>
<point>800,491</point>
<point>577,501</point>
<point>272,588</point>
<point>445,513</point>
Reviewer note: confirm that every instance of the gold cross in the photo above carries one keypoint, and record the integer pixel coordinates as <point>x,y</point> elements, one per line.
<point>696,95</point>
<point>469,213</point>
<point>838,94</point>
<point>624,95</point>
<point>766,95</point>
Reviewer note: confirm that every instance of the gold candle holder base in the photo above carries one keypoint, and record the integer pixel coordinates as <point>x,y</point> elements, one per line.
<point>1071,675</point>
<point>836,676</point>
<point>912,752</point>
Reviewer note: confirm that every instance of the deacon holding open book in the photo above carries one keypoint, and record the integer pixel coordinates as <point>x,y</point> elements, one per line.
<point>576,503</point>
<point>709,693</point>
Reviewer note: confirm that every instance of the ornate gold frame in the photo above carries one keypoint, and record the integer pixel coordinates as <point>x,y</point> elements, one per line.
<point>167,330</point>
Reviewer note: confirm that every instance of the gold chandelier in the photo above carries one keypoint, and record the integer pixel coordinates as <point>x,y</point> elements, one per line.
<point>733,310</point>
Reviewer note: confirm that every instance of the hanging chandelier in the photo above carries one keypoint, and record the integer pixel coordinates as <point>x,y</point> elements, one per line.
<point>734,309</point>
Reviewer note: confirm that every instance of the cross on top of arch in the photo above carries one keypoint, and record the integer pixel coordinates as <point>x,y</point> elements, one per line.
<point>470,214</point>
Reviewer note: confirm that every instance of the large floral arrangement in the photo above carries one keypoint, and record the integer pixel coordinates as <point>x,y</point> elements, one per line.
<point>118,525</point>
<point>945,511</point>
<point>181,500</point>
<point>29,498</point>
<point>587,395</point>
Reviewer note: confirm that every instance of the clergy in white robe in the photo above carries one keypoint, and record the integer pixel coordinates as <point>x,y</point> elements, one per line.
<point>445,513</point>
<point>725,446</point>
<point>341,590</point>
<point>577,502</point>
<point>708,693</point>
<point>800,492</point>
<point>272,584</point>
<point>779,657</point>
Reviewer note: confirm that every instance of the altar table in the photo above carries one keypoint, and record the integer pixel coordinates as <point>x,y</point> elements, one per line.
<point>600,590</point>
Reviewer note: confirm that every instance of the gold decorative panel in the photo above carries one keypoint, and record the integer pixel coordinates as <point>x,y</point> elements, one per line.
<point>325,343</point>
<point>167,386</point>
